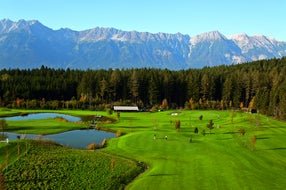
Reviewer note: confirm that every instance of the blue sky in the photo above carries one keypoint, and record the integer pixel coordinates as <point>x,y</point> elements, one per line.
<point>191,17</point>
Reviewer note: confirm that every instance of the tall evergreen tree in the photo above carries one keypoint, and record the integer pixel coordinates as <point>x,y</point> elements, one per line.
<point>153,91</point>
<point>115,82</point>
<point>134,86</point>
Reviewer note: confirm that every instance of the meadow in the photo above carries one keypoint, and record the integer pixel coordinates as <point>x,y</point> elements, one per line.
<point>242,151</point>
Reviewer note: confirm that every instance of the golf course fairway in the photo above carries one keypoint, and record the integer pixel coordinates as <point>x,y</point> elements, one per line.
<point>231,150</point>
<point>221,158</point>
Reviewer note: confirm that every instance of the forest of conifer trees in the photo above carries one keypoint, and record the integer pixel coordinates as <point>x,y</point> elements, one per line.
<point>260,85</point>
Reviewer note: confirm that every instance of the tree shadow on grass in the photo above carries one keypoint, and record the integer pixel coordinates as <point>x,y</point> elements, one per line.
<point>129,118</point>
<point>163,175</point>
<point>194,141</point>
<point>12,129</point>
<point>262,138</point>
<point>277,148</point>
<point>187,130</point>
<point>227,138</point>
<point>231,132</point>
<point>133,127</point>
<point>273,127</point>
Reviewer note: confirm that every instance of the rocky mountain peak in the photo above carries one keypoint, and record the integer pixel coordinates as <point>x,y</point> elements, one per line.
<point>7,26</point>
<point>34,44</point>
<point>239,37</point>
<point>208,36</point>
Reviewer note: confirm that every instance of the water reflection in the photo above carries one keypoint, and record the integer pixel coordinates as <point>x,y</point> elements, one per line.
<point>75,139</point>
<point>35,116</point>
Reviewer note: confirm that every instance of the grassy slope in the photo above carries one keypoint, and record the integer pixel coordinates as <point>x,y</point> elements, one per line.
<point>222,160</point>
<point>50,166</point>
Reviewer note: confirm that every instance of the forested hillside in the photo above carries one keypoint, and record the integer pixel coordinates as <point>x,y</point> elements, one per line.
<point>259,85</point>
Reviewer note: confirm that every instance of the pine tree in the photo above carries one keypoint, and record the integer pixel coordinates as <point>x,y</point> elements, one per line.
<point>153,91</point>
<point>134,88</point>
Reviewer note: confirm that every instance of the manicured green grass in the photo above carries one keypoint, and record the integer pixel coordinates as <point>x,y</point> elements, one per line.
<point>223,159</point>
<point>8,112</point>
<point>42,126</point>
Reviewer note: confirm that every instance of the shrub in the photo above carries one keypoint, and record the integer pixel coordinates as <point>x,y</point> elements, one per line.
<point>253,140</point>
<point>112,164</point>
<point>118,133</point>
<point>103,143</point>
<point>3,137</point>
<point>204,132</point>
<point>196,130</point>
<point>210,125</point>
<point>109,111</point>
<point>177,124</point>
<point>91,146</point>
<point>58,118</point>
<point>242,131</point>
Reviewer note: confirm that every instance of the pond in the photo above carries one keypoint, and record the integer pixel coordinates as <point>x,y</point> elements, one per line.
<point>74,139</point>
<point>34,116</point>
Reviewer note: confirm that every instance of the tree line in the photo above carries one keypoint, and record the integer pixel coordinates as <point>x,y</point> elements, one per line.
<point>257,85</point>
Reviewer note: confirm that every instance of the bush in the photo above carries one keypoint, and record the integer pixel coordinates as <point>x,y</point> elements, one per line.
<point>177,124</point>
<point>204,132</point>
<point>253,141</point>
<point>196,130</point>
<point>103,143</point>
<point>118,133</point>
<point>210,125</point>
<point>242,131</point>
<point>91,146</point>
<point>109,111</point>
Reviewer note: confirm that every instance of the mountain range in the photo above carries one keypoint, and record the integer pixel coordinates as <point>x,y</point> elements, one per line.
<point>30,44</point>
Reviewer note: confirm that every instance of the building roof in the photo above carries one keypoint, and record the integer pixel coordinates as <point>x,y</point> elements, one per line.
<point>126,108</point>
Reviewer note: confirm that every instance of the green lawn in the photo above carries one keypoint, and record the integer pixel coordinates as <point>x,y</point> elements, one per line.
<point>223,159</point>
<point>42,126</point>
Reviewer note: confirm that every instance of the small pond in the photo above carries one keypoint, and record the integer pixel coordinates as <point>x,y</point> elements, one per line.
<point>74,139</point>
<point>34,116</point>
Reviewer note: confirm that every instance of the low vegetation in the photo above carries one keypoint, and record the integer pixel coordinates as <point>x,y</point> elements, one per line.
<point>49,166</point>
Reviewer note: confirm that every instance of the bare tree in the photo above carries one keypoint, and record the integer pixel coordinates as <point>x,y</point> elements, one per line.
<point>3,125</point>
<point>253,141</point>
